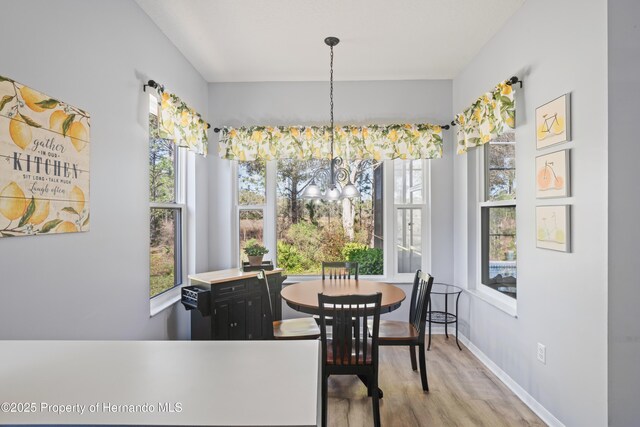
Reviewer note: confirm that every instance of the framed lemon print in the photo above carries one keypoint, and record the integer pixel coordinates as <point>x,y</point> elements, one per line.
<point>553,175</point>
<point>44,163</point>
<point>553,122</point>
<point>553,227</point>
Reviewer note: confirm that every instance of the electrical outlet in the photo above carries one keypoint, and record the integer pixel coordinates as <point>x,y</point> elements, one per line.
<point>542,353</point>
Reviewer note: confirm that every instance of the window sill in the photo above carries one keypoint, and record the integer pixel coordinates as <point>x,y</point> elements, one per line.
<point>508,307</point>
<point>165,300</point>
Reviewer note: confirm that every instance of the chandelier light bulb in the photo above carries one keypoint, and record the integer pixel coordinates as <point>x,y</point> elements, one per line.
<point>333,194</point>
<point>350,191</point>
<point>312,192</point>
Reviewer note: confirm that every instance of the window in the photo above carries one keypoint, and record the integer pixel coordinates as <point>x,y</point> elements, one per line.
<point>252,184</point>
<point>166,209</point>
<point>408,198</point>
<point>498,217</point>
<point>312,231</point>
<point>301,233</point>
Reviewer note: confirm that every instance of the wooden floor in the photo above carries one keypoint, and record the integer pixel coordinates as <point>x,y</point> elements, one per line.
<point>462,393</point>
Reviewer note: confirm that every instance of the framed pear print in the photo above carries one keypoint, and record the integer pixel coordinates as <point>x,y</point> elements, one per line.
<point>553,175</point>
<point>553,227</point>
<point>553,122</point>
<point>44,163</point>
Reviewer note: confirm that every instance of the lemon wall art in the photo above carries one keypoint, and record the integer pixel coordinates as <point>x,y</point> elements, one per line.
<point>553,227</point>
<point>44,163</point>
<point>553,174</point>
<point>553,124</point>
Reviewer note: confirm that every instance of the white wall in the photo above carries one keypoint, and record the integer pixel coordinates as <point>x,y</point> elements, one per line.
<point>624,210</point>
<point>95,285</point>
<point>96,54</point>
<point>556,47</point>
<point>289,103</point>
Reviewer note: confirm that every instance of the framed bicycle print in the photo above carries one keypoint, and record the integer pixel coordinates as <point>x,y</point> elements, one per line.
<point>553,175</point>
<point>553,122</point>
<point>553,227</point>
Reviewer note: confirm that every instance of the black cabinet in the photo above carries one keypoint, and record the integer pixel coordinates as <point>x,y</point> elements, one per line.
<point>255,318</point>
<point>197,300</point>
<point>221,320</point>
<point>238,327</point>
<point>238,310</point>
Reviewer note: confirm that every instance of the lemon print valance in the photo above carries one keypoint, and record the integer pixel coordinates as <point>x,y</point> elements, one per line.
<point>374,142</point>
<point>489,117</point>
<point>182,124</point>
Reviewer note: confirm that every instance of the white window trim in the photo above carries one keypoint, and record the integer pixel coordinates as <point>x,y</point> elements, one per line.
<point>171,296</point>
<point>268,215</point>
<point>235,220</point>
<point>389,232</point>
<point>498,301</point>
<point>502,302</point>
<point>166,299</point>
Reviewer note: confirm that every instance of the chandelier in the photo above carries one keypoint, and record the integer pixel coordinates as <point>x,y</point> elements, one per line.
<point>325,182</point>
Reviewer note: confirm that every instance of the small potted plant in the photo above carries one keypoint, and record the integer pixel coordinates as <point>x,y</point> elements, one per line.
<point>255,251</point>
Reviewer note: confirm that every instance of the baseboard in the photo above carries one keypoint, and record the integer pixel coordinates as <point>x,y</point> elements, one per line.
<point>528,400</point>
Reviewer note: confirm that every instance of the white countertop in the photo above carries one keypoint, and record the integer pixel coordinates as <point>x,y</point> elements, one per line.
<point>213,382</point>
<point>231,274</point>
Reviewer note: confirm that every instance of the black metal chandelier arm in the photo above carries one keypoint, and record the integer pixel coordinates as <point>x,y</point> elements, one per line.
<point>364,164</point>
<point>341,174</point>
<point>331,175</point>
<point>319,175</point>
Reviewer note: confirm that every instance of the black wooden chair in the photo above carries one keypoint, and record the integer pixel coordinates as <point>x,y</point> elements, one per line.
<point>304,328</point>
<point>339,270</point>
<point>411,333</point>
<point>350,350</point>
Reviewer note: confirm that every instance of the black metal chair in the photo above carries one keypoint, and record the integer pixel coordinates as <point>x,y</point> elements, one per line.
<point>350,350</point>
<point>339,270</point>
<point>411,333</point>
<point>304,328</point>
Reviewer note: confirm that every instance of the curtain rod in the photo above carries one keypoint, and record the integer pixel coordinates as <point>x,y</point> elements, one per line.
<point>512,81</point>
<point>160,88</point>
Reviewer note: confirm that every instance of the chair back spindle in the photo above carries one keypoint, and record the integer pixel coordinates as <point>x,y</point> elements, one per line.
<point>420,299</point>
<point>339,270</point>
<point>350,343</point>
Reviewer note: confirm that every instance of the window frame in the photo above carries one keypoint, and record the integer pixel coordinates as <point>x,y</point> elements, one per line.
<point>268,218</point>
<point>390,221</point>
<point>493,296</point>
<point>389,232</point>
<point>168,296</point>
<point>241,208</point>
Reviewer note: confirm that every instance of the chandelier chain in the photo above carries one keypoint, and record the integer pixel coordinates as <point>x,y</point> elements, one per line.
<point>337,171</point>
<point>331,105</point>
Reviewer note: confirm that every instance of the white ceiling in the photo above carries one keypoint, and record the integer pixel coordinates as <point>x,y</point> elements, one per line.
<point>283,40</point>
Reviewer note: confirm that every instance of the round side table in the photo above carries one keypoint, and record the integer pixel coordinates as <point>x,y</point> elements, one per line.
<point>444,317</point>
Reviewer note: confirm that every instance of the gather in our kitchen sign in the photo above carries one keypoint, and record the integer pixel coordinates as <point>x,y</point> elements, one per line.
<point>44,163</point>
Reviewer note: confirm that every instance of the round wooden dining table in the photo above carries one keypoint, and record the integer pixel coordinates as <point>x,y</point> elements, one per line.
<point>303,296</point>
